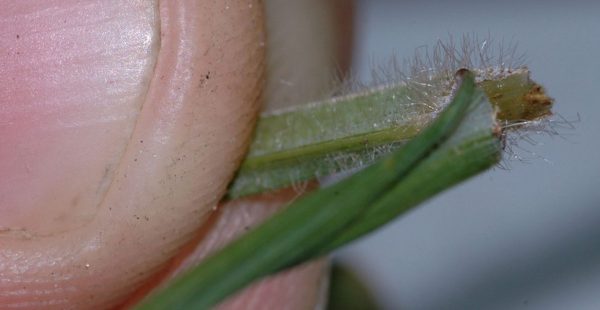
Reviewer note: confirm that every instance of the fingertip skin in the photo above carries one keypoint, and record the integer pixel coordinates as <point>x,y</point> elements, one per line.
<point>301,287</point>
<point>73,83</point>
<point>126,122</point>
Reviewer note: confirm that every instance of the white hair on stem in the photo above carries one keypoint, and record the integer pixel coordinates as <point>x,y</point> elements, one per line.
<point>362,121</point>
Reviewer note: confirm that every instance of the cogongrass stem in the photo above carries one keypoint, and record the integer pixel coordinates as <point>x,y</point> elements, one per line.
<point>348,132</point>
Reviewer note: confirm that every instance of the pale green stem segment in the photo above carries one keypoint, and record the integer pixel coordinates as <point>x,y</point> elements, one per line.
<point>349,132</point>
<point>457,145</point>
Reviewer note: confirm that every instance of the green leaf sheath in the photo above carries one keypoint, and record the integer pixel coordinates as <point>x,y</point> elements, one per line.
<point>349,132</point>
<point>314,223</point>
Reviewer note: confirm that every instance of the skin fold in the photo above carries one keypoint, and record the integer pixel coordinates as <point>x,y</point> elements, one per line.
<point>121,124</point>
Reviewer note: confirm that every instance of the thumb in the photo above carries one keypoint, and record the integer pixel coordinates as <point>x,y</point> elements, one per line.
<point>121,123</point>
<point>324,28</point>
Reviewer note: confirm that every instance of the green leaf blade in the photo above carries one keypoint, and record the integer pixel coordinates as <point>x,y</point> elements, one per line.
<point>315,224</point>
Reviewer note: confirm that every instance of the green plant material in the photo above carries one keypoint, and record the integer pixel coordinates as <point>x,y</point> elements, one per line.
<point>343,133</point>
<point>457,145</point>
<point>347,291</point>
<point>472,148</point>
